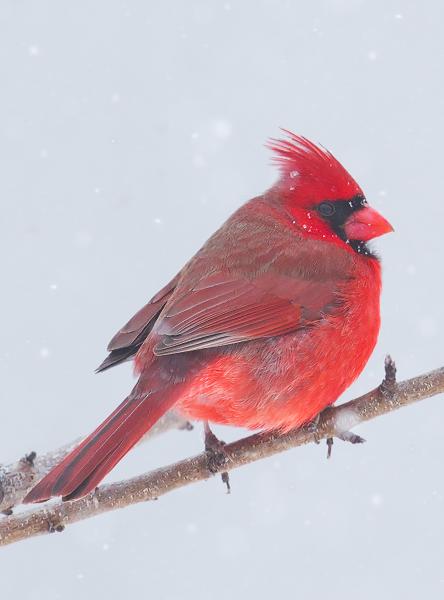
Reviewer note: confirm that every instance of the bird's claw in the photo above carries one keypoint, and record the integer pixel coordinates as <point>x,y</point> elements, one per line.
<point>312,427</point>
<point>345,436</point>
<point>349,436</point>
<point>216,455</point>
<point>226,479</point>
<point>329,446</point>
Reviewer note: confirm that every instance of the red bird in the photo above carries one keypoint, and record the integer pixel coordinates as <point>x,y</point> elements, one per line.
<point>272,319</point>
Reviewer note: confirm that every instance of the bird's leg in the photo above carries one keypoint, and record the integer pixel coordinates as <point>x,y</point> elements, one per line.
<point>216,455</point>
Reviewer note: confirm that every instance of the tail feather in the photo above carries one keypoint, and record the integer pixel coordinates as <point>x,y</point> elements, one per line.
<point>104,440</point>
<point>83,469</point>
<point>97,474</point>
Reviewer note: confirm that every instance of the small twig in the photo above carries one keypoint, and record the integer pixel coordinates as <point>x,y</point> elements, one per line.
<point>388,384</point>
<point>150,486</point>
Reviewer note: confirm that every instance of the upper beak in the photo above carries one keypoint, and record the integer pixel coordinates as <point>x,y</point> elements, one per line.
<point>366,224</point>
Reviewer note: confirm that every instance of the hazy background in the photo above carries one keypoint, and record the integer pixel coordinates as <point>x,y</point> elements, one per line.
<point>128,132</point>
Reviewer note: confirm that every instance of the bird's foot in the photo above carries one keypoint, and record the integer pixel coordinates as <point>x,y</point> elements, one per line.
<point>312,427</point>
<point>387,389</point>
<point>349,436</point>
<point>216,455</point>
<point>345,436</point>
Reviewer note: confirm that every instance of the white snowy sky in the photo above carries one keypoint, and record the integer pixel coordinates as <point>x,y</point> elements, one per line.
<point>128,132</point>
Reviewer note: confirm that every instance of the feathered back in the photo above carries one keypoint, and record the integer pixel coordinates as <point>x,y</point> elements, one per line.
<point>310,172</point>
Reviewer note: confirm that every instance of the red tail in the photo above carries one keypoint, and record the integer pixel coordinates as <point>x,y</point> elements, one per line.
<point>83,469</point>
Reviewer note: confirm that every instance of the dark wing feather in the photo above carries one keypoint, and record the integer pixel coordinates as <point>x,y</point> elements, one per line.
<point>125,344</point>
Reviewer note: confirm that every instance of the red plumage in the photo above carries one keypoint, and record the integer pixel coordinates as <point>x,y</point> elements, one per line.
<point>263,328</point>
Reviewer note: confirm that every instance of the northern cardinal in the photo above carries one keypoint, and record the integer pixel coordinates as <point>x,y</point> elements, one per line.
<point>271,320</point>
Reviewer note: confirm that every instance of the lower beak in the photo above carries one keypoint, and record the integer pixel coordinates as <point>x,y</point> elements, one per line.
<point>366,224</point>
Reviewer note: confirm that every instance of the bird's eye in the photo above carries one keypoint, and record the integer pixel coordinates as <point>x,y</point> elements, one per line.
<point>327,209</point>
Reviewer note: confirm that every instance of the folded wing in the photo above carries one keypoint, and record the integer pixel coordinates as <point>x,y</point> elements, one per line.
<point>223,310</point>
<point>125,344</point>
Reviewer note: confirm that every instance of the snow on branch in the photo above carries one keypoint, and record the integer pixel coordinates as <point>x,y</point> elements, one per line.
<point>333,422</point>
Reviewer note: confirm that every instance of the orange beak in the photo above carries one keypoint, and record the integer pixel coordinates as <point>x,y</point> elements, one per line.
<point>366,224</point>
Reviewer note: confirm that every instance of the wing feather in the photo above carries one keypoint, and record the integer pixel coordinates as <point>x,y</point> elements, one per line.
<point>234,311</point>
<point>125,344</point>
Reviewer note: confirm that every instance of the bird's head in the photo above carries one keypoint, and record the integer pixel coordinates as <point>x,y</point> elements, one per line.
<point>321,197</point>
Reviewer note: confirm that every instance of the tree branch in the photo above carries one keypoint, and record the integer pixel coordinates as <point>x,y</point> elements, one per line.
<point>18,478</point>
<point>333,422</point>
